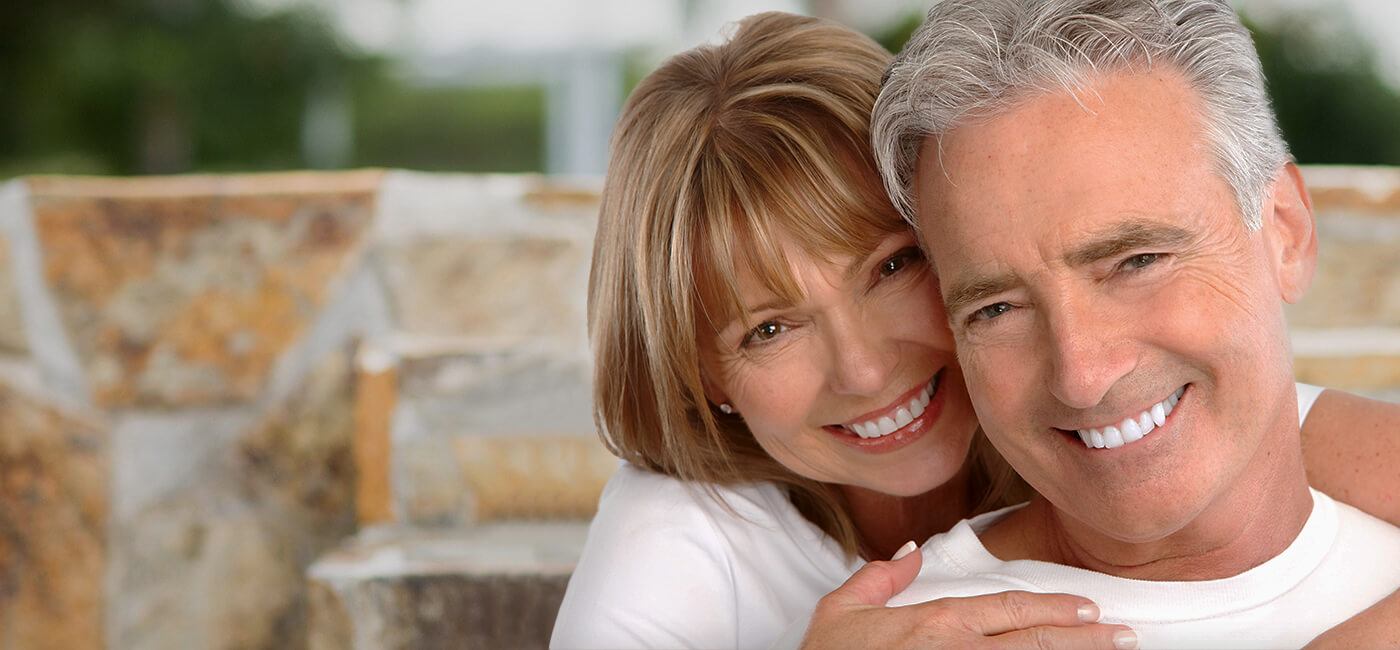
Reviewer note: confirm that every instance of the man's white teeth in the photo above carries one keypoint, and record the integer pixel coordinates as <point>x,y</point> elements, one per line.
<point>1131,429</point>
<point>903,415</point>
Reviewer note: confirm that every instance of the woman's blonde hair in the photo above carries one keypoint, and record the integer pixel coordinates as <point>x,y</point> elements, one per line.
<point>720,154</point>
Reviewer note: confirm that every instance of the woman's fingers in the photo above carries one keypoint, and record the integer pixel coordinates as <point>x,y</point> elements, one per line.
<point>877,582</point>
<point>1010,611</point>
<point>1088,637</point>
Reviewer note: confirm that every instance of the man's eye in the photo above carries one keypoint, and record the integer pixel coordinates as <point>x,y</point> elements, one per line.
<point>899,260</point>
<point>765,331</point>
<point>991,311</point>
<point>1140,261</point>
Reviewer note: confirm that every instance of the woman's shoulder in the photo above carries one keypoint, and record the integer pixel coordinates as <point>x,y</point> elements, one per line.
<point>640,501</point>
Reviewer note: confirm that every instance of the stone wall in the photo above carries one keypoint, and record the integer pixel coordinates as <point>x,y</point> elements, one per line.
<point>208,383</point>
<point>185,404</point>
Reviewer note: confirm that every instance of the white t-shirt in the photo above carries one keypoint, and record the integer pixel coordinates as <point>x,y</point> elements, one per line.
<point>667,566</point>
<point>1342,562</point>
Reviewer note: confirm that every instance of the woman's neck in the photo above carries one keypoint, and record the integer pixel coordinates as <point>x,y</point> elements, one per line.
<point>884,522</point>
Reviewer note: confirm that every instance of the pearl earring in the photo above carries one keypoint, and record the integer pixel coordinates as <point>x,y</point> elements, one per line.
<point>726,409</point>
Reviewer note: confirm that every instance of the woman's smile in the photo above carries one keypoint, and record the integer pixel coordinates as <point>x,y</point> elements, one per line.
<point>895,425</point>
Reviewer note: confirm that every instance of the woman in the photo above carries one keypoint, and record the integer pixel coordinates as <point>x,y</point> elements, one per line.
<point>773,366</point>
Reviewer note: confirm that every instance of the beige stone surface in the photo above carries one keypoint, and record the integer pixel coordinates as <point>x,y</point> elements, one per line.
<point>53,519</point>
<point>1364,373</point>
<point>184,291</point>
<point>474,479</point>
<point>533,477</point>
<point>502,286</point>
<point>1357,283</point>
<point>1356,190</point>
<point>11,324</point>
<point>220,565</point>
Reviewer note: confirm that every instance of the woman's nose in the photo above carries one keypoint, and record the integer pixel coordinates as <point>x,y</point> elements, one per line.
<point>863,359</point>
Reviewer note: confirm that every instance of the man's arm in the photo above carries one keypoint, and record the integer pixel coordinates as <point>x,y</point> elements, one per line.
<point>1351,446</point>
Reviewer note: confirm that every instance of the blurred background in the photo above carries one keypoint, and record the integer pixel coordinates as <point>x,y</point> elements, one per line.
<point>292,298</point>
<point>172,86</point>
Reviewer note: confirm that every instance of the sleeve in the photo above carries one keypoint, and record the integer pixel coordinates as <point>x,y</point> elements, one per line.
<point>1307,396</point>
<point>653,573</point>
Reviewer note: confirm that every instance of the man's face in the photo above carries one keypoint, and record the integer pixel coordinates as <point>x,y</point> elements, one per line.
<point>1096,269</point>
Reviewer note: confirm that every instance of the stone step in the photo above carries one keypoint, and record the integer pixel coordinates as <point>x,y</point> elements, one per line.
<point>489,586</point>
<point>452,432</point>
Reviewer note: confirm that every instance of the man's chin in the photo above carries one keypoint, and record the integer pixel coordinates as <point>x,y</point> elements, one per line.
<point>1133,517</point>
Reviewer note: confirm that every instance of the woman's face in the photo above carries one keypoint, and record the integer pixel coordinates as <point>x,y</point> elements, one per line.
<point>856,385</point>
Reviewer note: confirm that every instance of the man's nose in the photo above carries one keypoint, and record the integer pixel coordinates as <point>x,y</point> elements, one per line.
<point>1089,352</point>
<point>863,358</point>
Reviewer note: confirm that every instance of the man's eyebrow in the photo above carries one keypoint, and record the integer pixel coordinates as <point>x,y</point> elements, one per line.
<point>976,290</point>
<point>1124,237</point>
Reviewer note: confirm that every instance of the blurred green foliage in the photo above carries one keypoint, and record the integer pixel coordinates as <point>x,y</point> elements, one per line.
<point>158,86</point>
<point>1333,106</point>
<point>498,129</point>
<point>166,86</point>
<point>123,86</point>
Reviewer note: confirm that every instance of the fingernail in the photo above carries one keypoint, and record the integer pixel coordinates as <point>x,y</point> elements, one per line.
<point>908,548</point>
<point>1089,613</point>
<point>1125,640</point>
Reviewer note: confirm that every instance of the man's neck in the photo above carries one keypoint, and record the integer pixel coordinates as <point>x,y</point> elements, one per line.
<point>1241,529</point>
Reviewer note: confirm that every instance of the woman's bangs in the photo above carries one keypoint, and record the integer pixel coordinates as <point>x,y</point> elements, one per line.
<point>824,209</point>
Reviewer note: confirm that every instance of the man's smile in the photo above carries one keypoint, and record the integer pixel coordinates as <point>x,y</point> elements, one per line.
<point>1131,428</point>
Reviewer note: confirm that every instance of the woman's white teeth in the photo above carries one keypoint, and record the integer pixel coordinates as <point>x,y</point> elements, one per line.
<point>1132,429</point>
<point>903,415</point>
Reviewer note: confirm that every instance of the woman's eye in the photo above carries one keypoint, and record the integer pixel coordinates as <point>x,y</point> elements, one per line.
<point>991,311</point>
<point>899,260</point>
<point>1140,261</point>
<point>765,331</point>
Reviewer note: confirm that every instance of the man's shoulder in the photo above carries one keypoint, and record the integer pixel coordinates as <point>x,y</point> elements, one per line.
<point>1360,535</point>
<point>956,564</point>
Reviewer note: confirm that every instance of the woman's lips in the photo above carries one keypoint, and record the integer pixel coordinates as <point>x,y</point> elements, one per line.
<point>900,435</point>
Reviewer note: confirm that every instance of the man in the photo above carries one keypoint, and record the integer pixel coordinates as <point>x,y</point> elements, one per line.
<point>1115,223</point>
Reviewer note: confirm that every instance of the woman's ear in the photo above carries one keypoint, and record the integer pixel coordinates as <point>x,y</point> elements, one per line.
<point>1291,233</point>
<point>713,393</point>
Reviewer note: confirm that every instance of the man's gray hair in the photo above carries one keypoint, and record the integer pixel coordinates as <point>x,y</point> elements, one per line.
<point>974,59</point>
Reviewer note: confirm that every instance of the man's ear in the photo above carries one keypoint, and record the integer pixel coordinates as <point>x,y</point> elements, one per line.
<point>1291,233</point>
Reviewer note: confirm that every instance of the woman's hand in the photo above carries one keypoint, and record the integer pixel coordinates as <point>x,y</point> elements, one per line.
<point>855,616</point>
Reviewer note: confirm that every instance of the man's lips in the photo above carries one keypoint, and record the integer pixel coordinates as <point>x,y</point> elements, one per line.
<point>1130,428</point>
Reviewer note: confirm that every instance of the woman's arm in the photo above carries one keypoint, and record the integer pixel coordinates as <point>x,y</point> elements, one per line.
<point>1351,446</point>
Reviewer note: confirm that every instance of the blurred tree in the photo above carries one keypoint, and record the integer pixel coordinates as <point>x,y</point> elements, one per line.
<point>1333,105</point>
<point>433,128</point>
<point>153,86</point>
